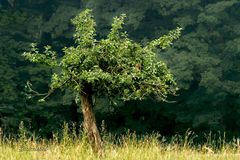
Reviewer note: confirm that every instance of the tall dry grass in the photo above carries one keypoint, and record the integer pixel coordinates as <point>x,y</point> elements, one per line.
<point>71,146</point>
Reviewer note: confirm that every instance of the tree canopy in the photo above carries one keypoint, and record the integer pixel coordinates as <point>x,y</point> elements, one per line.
<point>115,66</point>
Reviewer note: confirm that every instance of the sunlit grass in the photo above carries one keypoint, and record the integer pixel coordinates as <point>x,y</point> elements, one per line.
<point>128,147</point>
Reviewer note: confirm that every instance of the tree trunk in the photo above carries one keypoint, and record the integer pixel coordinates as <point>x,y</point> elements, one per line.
<point>90,120</point>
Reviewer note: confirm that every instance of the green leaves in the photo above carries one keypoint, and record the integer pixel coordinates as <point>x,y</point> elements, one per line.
<point>116,33</point>
<point>48,57</point>
<point>166,40</point>
<point>115,66</point>
<point>85,29</point>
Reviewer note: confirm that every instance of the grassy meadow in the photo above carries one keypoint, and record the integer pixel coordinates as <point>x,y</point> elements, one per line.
<point>70,146</point>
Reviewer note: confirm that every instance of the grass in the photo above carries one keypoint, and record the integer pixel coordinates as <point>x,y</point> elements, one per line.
<point>128,147</point>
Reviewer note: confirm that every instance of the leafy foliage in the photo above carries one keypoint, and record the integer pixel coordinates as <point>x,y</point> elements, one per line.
<point>115,66</point>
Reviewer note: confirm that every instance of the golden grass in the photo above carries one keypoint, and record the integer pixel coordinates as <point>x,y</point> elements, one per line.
<point>128,147</point>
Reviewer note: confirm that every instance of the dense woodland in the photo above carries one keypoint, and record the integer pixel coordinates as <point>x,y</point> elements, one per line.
<point>205,62</point>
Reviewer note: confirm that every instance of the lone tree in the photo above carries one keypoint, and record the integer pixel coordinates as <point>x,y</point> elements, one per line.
<point>111,67</point>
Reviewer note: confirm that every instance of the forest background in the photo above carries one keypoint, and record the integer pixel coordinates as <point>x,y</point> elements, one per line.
<point>205,62</point>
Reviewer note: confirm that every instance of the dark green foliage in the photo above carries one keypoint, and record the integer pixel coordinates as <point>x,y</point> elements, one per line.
<point>18,28</point>
<point>205,60</point>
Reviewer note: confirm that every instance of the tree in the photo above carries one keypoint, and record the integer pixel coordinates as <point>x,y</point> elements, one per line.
<point>111,67</point>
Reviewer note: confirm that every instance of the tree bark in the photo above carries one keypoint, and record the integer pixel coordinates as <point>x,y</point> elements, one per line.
<point>90,120</point>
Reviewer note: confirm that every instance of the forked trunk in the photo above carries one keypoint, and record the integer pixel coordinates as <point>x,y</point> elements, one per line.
<point>90,120</point>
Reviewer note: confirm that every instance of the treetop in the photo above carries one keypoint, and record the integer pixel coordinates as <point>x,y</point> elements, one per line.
<point>113,67</point>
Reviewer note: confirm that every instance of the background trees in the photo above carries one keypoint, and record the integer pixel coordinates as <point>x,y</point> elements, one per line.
<point>205,60</point>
